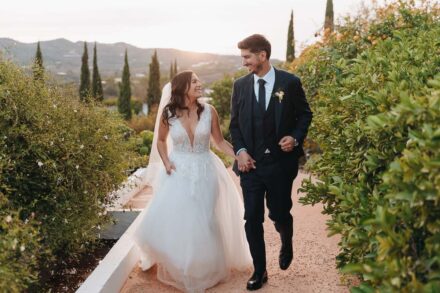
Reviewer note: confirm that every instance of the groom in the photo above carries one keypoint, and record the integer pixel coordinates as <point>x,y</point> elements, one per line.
<point>269,121</point>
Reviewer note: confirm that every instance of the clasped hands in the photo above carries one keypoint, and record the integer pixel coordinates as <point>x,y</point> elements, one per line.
<point>246,162</point>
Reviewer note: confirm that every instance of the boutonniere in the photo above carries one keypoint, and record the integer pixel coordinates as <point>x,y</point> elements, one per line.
<point>280,95</point>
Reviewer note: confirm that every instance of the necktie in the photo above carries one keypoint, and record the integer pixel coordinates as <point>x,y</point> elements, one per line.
<point>262,94</point>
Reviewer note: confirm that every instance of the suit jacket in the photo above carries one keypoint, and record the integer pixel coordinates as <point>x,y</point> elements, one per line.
<point>292,115</point>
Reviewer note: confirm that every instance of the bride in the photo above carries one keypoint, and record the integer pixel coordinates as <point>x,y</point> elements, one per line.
<point>193,227</point>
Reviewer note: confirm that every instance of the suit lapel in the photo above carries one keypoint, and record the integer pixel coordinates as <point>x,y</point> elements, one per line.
<point>277,103</point>
<point>248,95</point>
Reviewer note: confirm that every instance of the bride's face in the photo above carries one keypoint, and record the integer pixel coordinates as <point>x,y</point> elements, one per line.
<point>195,88</point>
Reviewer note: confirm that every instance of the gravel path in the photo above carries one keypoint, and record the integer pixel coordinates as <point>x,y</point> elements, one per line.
<point>312,270</point>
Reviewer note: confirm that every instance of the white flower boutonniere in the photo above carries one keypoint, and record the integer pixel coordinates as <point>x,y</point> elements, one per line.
<point>280,95</point>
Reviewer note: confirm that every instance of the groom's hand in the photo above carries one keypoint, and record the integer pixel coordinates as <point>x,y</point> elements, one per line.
<point>287,143</point>
<point>245,162</point>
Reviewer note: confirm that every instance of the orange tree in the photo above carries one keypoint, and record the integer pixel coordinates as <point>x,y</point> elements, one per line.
<point>374,89</point>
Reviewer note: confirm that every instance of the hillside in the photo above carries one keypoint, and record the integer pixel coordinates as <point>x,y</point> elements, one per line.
<point>63,57</point>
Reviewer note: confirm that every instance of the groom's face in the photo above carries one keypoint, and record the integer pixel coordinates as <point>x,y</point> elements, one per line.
<point>253,61</point>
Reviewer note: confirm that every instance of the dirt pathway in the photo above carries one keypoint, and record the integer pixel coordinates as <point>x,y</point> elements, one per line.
<point>312,270</point>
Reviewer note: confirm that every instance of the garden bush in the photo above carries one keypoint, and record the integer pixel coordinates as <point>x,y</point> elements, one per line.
<point>374,89</point>
<point>59,160</point>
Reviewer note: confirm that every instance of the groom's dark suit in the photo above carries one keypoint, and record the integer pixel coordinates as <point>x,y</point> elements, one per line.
<point>259,131</point>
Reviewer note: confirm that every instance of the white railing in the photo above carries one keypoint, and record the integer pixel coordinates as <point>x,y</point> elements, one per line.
<point>132,186</point>
<point>112,272</point>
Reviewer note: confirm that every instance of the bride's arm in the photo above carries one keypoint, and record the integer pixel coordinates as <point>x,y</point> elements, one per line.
<point>162,146</point>
<point>219,142</point>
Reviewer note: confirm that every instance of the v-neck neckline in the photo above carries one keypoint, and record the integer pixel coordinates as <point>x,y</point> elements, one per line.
<point>195,131</point>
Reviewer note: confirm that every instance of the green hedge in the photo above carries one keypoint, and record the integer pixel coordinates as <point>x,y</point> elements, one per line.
<point>375,95</point>
<point>59,161</point>
<point>144,142</point>
<point>19,249</point>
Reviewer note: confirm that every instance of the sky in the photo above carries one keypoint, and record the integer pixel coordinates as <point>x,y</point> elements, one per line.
<point>213,26</point>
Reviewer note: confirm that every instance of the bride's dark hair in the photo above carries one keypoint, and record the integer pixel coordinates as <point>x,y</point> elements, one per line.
<point>180,85</point>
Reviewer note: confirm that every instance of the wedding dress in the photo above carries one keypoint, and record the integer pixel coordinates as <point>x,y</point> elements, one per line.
<point>193,227</point>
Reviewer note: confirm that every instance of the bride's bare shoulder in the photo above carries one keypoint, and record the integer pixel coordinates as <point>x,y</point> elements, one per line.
<point>213,110</point>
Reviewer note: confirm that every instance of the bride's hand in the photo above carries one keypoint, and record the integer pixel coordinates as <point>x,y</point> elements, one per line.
<point>169,167</point>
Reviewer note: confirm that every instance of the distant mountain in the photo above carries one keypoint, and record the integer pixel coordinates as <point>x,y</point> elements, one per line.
<point>63,58</point>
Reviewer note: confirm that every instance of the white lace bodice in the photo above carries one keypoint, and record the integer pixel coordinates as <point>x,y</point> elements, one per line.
<point>202,134</point>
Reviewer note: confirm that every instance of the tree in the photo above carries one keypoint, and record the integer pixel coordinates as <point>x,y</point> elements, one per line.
<point>97,91</point>
<point>124,101</point>
<point>153,94</point>
<point>290,52</point>
<point>329,16</point>
<point>221,93</point>
<point>173,69</point>
<point>38,68</point>
<point>84,87</point>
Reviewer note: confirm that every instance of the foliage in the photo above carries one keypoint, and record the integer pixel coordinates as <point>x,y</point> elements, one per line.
<point>222,92</point>
<point>59,160</point>
<point>19,247</point>
<point>38,67</point>
<point>97,91</point>
<point>329,16</point>
<point>290,51</point>
<point>154,89</point>
<point>140,123</point>
<point>84,87</point>
<point>173,69</point>
<point>375,95</point>
<point>136,106</point>
<point>124,101</point>
<point>145,141</point>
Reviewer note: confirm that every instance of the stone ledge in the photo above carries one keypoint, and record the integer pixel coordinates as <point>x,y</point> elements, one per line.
<point>112,272</point>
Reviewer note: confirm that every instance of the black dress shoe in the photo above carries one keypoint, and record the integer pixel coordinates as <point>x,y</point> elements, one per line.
<point>256,281</point>
<point>286,256</point>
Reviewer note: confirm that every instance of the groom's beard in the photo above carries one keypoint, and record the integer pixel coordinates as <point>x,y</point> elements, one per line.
<point>256,69</point>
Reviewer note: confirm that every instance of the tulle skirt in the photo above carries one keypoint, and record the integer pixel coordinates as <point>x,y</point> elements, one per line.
<point>193,227</point>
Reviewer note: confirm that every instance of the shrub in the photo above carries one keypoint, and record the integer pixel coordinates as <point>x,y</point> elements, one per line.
<point>61,159</point>
<point>376,102</point>
<point>141,123</point>
<point>143,142</point>
<point>136,106</point>
<point>19,249</point>
<point>110,102</point>
<point>221,94</point>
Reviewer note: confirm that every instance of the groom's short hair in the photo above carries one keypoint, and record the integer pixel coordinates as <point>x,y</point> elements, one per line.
<point>256,43</point>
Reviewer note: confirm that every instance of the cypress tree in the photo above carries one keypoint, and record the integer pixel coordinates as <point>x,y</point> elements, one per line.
<point>97,91</point>
<point>175,67</point>
<point>290,52</point>
<point>124,101</point>
<point>329,22</point>
<point>171,70</point>
<point>38,68</point>
<point>84,87</point>
<point>153,95</point>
